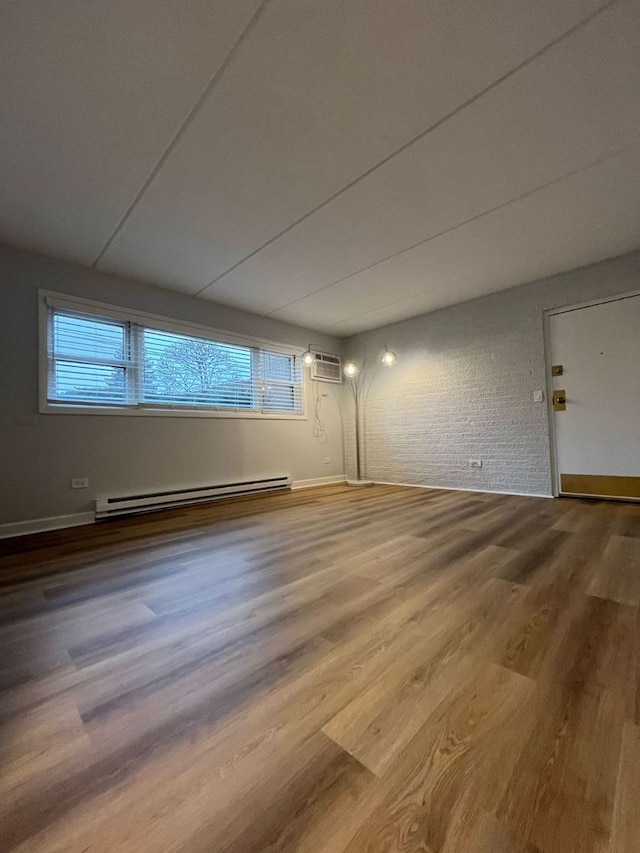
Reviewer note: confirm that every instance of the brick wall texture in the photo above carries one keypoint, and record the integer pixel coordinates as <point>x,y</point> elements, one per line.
<point>463,385</point>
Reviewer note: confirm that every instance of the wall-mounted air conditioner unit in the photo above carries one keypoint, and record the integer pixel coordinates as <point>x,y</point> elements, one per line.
<point>326,367</point>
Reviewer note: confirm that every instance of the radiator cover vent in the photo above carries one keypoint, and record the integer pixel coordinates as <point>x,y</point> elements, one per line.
<point>147,502</point>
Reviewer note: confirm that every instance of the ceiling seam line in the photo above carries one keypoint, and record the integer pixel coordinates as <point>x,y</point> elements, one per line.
<point>598,161</point>
<point>542,187</point>
<point>213,81</point>
<point>343,336</point>
<point>489,88</point>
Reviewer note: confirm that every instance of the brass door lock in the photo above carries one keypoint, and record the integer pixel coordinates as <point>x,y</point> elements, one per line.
<point>560,401</point>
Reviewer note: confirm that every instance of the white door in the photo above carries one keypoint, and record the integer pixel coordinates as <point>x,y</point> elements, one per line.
<point>596,350</point>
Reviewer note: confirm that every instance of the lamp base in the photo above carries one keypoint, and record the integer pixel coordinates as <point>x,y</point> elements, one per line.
<point>360,483</point>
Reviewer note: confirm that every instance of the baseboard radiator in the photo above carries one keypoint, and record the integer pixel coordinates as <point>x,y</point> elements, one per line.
<point>129,504</point>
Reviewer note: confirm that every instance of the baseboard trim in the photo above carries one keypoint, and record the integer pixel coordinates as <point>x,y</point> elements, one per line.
<point>318,481</point>
<point>58,522</point>
<point>460,489</point>
<point>40,525</point>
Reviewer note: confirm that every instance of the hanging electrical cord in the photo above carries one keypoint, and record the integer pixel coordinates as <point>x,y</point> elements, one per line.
<point>319,428</point>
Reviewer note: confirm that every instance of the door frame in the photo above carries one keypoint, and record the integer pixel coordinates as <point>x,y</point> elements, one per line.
<point>550,312</point>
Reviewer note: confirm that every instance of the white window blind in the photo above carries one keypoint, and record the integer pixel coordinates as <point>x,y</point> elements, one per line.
<point>182,370</point>
<point>98,361</point>
<point>90,359</point>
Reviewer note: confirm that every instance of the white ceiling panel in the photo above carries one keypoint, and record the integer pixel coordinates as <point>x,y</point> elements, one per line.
<point>92,93</point>
<point>571,223</point>
<point>576,103</point>
<point>340,164</point>
<point>318,94</point>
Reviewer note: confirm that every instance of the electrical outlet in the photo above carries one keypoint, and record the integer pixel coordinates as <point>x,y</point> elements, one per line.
<point>80,483</point>
<point>327,460</point>
<point>475,463</point>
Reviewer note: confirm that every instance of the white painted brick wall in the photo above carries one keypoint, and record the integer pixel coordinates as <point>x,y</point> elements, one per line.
<point>463,386</point>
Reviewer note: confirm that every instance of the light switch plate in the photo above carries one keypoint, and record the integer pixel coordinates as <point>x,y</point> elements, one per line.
<point>538,396</point>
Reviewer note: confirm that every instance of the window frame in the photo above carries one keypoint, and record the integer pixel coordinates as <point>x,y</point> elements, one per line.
<point>135,408</point>
<point>125,363</point>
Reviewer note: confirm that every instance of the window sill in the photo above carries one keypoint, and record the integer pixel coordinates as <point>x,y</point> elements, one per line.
<point>53,409</point>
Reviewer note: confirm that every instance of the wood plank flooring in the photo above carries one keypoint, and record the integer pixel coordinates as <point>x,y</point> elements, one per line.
<point>385,669</point>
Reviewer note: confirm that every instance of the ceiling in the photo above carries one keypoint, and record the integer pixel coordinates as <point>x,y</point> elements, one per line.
<point>338,164</point>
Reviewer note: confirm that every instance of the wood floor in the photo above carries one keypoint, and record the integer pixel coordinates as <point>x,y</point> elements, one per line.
<point>385,669</point>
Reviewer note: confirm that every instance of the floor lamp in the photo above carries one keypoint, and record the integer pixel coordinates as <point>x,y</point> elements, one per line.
<point>354,375</point>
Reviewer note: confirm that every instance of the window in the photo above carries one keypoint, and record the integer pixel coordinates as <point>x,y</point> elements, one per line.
<point>97,360</point>
<point>90,359</point>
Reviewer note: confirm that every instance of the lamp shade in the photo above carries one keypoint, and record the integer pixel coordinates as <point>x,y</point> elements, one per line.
<point>350,369</point>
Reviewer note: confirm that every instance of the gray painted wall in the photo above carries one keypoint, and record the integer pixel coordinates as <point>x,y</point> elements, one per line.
<point>463,386</point>
<point>40,453</point>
